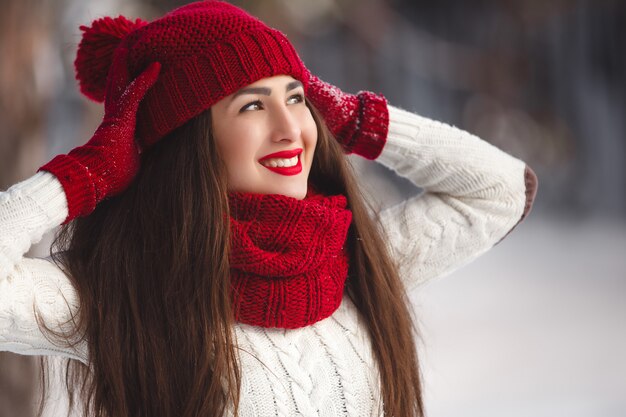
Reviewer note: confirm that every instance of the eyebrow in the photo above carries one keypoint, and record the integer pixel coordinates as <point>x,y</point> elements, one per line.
<point>265,90</point>
<point>293,84</point>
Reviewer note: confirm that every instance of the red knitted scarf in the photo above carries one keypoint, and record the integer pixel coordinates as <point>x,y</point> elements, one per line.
<point>288,262</point>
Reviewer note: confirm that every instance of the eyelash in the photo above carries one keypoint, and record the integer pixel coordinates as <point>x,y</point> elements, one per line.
<point>245,108</point>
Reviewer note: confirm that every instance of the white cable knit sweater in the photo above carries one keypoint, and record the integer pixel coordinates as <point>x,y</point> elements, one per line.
<point>474,195</point>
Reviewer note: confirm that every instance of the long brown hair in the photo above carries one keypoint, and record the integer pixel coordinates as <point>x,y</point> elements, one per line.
<point>151,269</point>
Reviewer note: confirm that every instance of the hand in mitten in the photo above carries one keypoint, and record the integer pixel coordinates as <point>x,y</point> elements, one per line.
<point>107,164</point>
<point>359,122</point>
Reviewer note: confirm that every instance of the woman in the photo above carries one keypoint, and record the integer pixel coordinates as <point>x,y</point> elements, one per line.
<point>216,255</point>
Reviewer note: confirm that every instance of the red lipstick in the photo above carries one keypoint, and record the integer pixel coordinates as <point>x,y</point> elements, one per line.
<point>293,170</point>
<point>282,154</point>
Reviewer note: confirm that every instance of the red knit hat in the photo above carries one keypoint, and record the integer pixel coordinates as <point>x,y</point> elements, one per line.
<point>207,50</point>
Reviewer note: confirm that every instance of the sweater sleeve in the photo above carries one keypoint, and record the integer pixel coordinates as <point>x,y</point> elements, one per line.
<point>33,289</point>
<point>474,195</point>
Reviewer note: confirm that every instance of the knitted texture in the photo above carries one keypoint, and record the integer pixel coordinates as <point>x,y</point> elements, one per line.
<point>106,164</point>
<point>288,263</point>
<point>95,53</point>
<point>359,122</point>
<point>208,50</point>
<point>473,195</point>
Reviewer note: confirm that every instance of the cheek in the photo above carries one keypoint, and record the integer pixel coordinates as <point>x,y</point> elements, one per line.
<point>308,127</point>
<point>238,151</point>
<point>238,159</point>
<point>234,144</point>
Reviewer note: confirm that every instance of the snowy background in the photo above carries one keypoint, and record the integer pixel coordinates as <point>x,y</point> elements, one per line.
<point>534,328</point>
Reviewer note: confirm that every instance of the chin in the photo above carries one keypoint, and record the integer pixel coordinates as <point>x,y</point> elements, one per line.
<point>297,193</point>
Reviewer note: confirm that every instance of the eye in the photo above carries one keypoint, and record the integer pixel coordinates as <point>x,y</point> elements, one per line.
<point>296,98</point>
<point>254,105</point>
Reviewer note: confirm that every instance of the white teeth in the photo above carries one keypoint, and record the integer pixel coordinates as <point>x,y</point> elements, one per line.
<point>281,162</point>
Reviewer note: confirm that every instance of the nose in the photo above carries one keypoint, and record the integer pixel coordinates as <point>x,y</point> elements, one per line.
<point>285,124</point>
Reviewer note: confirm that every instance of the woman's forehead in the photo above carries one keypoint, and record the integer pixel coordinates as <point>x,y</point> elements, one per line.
<point>271,81</point>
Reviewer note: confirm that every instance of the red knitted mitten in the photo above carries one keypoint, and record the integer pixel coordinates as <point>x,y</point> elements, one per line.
<point>359,122</point>
<point>107,164</point>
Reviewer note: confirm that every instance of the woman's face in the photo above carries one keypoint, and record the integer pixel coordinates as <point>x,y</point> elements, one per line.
<point>266,136</point>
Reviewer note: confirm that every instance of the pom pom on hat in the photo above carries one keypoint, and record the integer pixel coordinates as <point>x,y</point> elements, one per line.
<point>95,52</point>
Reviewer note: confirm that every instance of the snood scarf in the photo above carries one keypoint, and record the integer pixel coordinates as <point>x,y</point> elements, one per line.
<point>288,260</point>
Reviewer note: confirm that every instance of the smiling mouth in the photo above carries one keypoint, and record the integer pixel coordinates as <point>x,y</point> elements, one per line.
<point>280,162</point>
<point>283,163</point>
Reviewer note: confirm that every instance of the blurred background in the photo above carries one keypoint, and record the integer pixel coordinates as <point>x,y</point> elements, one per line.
<point>537,326</point>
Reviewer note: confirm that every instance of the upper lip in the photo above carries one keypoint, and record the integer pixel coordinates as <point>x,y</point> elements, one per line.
<point>282,154</point>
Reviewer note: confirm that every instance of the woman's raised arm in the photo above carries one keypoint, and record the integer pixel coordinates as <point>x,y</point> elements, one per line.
<point>33,288</point>
<point>67,187</point>
<point>474,195</point>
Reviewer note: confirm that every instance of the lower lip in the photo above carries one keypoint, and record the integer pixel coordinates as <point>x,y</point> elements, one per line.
<point>294,170</point>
